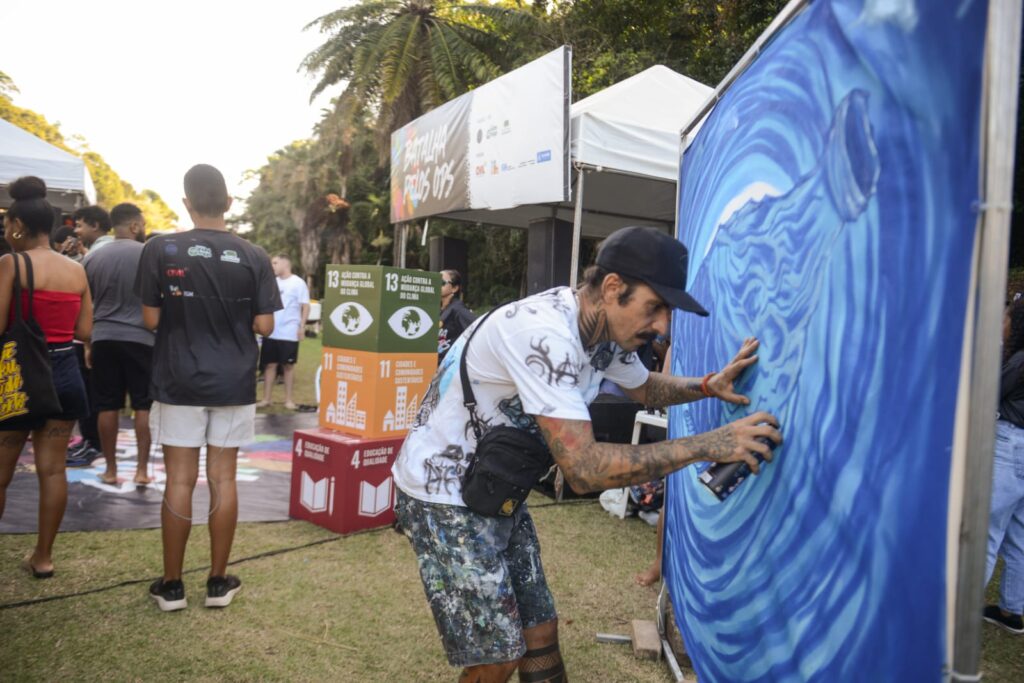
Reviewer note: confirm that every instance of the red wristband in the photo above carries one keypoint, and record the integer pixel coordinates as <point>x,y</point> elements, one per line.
<point>704,385</point>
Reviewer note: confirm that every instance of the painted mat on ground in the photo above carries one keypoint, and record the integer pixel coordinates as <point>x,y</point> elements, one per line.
<point>829,202</point>
<point>264,476</point>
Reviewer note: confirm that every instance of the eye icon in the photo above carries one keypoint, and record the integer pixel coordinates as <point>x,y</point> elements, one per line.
<point>410,322</point>
<point>351,318</point>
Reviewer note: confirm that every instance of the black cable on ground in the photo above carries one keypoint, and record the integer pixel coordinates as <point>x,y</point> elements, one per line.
<point>555,503</point>
<point>135,582</point>
<point>258,556</point>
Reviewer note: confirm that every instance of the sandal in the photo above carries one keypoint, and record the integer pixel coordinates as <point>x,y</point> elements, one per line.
<point>26,564</point>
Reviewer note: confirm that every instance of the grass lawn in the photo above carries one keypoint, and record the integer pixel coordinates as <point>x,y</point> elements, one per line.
<point>347,610</point>
<point>1002,653</point>
<point>340,609</point>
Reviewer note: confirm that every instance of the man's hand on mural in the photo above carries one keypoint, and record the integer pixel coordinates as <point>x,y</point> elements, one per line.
<point>738,440</point>
<point>721,384</point>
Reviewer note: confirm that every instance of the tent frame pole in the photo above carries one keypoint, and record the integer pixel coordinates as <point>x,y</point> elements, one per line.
<point>577,229</point>
<point>999,128</point>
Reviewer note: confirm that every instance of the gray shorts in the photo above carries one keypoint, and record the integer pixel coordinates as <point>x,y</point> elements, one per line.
<point>482,576</point>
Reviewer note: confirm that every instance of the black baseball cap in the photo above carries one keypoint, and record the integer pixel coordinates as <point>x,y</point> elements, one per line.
<point>653,257</point>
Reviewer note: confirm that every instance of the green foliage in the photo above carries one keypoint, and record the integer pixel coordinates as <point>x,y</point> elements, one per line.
<point>400,58</point>
<point>497,261</point>
<point>614,39</point>
<point>111,189</point>
<point>7,86</point>
<point>291,209</point>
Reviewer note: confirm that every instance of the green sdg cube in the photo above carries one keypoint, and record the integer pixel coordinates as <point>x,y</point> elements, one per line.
<point>381,309</point>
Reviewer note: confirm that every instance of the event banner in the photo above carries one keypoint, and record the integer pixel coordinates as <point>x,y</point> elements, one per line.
<point>830,205</point>
<point>501,145</point>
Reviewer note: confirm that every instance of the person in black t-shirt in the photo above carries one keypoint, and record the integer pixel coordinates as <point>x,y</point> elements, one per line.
<point>205,292</point>
<point>455,317</point>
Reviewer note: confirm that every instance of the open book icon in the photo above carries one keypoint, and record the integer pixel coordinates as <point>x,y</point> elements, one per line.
<point>373,500</point>
<point>317,496</point>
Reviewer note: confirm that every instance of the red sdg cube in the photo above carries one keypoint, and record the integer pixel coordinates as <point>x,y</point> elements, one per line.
<point>342,483</point>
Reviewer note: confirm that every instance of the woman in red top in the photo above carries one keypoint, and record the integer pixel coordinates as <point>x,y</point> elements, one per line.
<point>63,309</point>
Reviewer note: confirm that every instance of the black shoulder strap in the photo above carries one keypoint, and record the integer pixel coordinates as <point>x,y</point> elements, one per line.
<point>468,398</point>
<point>17,286</point>
<point>30,279</point>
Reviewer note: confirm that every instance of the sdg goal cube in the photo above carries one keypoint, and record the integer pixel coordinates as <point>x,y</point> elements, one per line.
<point>381,310</point>
<point>342,483</point>
<point>373,395</point>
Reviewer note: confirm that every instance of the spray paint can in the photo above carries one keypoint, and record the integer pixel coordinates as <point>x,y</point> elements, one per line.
<point>722,478</point>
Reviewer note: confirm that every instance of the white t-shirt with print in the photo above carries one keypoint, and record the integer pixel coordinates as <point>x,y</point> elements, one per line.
<point>526,360</point>
<point>294,293</point>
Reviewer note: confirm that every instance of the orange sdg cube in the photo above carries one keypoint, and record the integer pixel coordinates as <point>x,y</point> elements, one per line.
<point>373,395</point>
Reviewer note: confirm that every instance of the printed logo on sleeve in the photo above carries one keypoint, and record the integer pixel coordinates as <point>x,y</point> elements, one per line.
<point>200,250</point>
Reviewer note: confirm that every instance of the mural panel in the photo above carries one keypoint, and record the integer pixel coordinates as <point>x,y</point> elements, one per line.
<point>829,203</point>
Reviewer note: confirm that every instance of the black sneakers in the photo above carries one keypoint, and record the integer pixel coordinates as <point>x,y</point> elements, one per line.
<point>221,589</point>
<point>82,455</point>
<point>169,595</point>
<point>1012,623</point>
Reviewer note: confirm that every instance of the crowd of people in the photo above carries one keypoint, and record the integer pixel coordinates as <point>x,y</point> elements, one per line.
<point>172,324</point>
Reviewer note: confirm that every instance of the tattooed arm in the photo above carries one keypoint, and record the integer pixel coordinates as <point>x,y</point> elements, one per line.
<point>592,466</point>
<point>662,390</point>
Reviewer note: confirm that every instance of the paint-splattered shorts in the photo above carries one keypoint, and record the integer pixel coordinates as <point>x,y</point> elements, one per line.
<point>482,576</point>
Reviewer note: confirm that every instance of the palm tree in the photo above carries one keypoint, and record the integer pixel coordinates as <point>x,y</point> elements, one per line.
<point>401,58</point>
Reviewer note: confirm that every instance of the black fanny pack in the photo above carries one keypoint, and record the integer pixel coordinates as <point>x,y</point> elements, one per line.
<point>508,461</point>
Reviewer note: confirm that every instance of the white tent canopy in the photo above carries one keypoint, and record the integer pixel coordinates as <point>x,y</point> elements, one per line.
<point>626,139</point>
<point>67,179</point>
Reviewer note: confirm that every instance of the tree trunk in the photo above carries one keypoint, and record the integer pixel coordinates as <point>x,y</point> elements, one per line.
<point>396,245</point>
<point>309,246</point>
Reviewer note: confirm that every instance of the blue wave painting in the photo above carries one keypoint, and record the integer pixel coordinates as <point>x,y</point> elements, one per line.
<point>829,203</point>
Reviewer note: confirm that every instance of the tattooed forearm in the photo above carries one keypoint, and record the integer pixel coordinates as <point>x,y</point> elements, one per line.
<point>592,466</point>
<point>665,390</point>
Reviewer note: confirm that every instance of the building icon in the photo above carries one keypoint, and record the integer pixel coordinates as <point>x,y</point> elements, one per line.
<point>344,411</point>
<point>404,412</point>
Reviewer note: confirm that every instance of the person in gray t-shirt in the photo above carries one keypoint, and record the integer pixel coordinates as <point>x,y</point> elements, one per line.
<point>121,351</point>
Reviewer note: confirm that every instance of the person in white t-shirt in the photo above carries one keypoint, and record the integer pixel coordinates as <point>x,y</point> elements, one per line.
<point>281,348</point>
<point>536,364</point>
